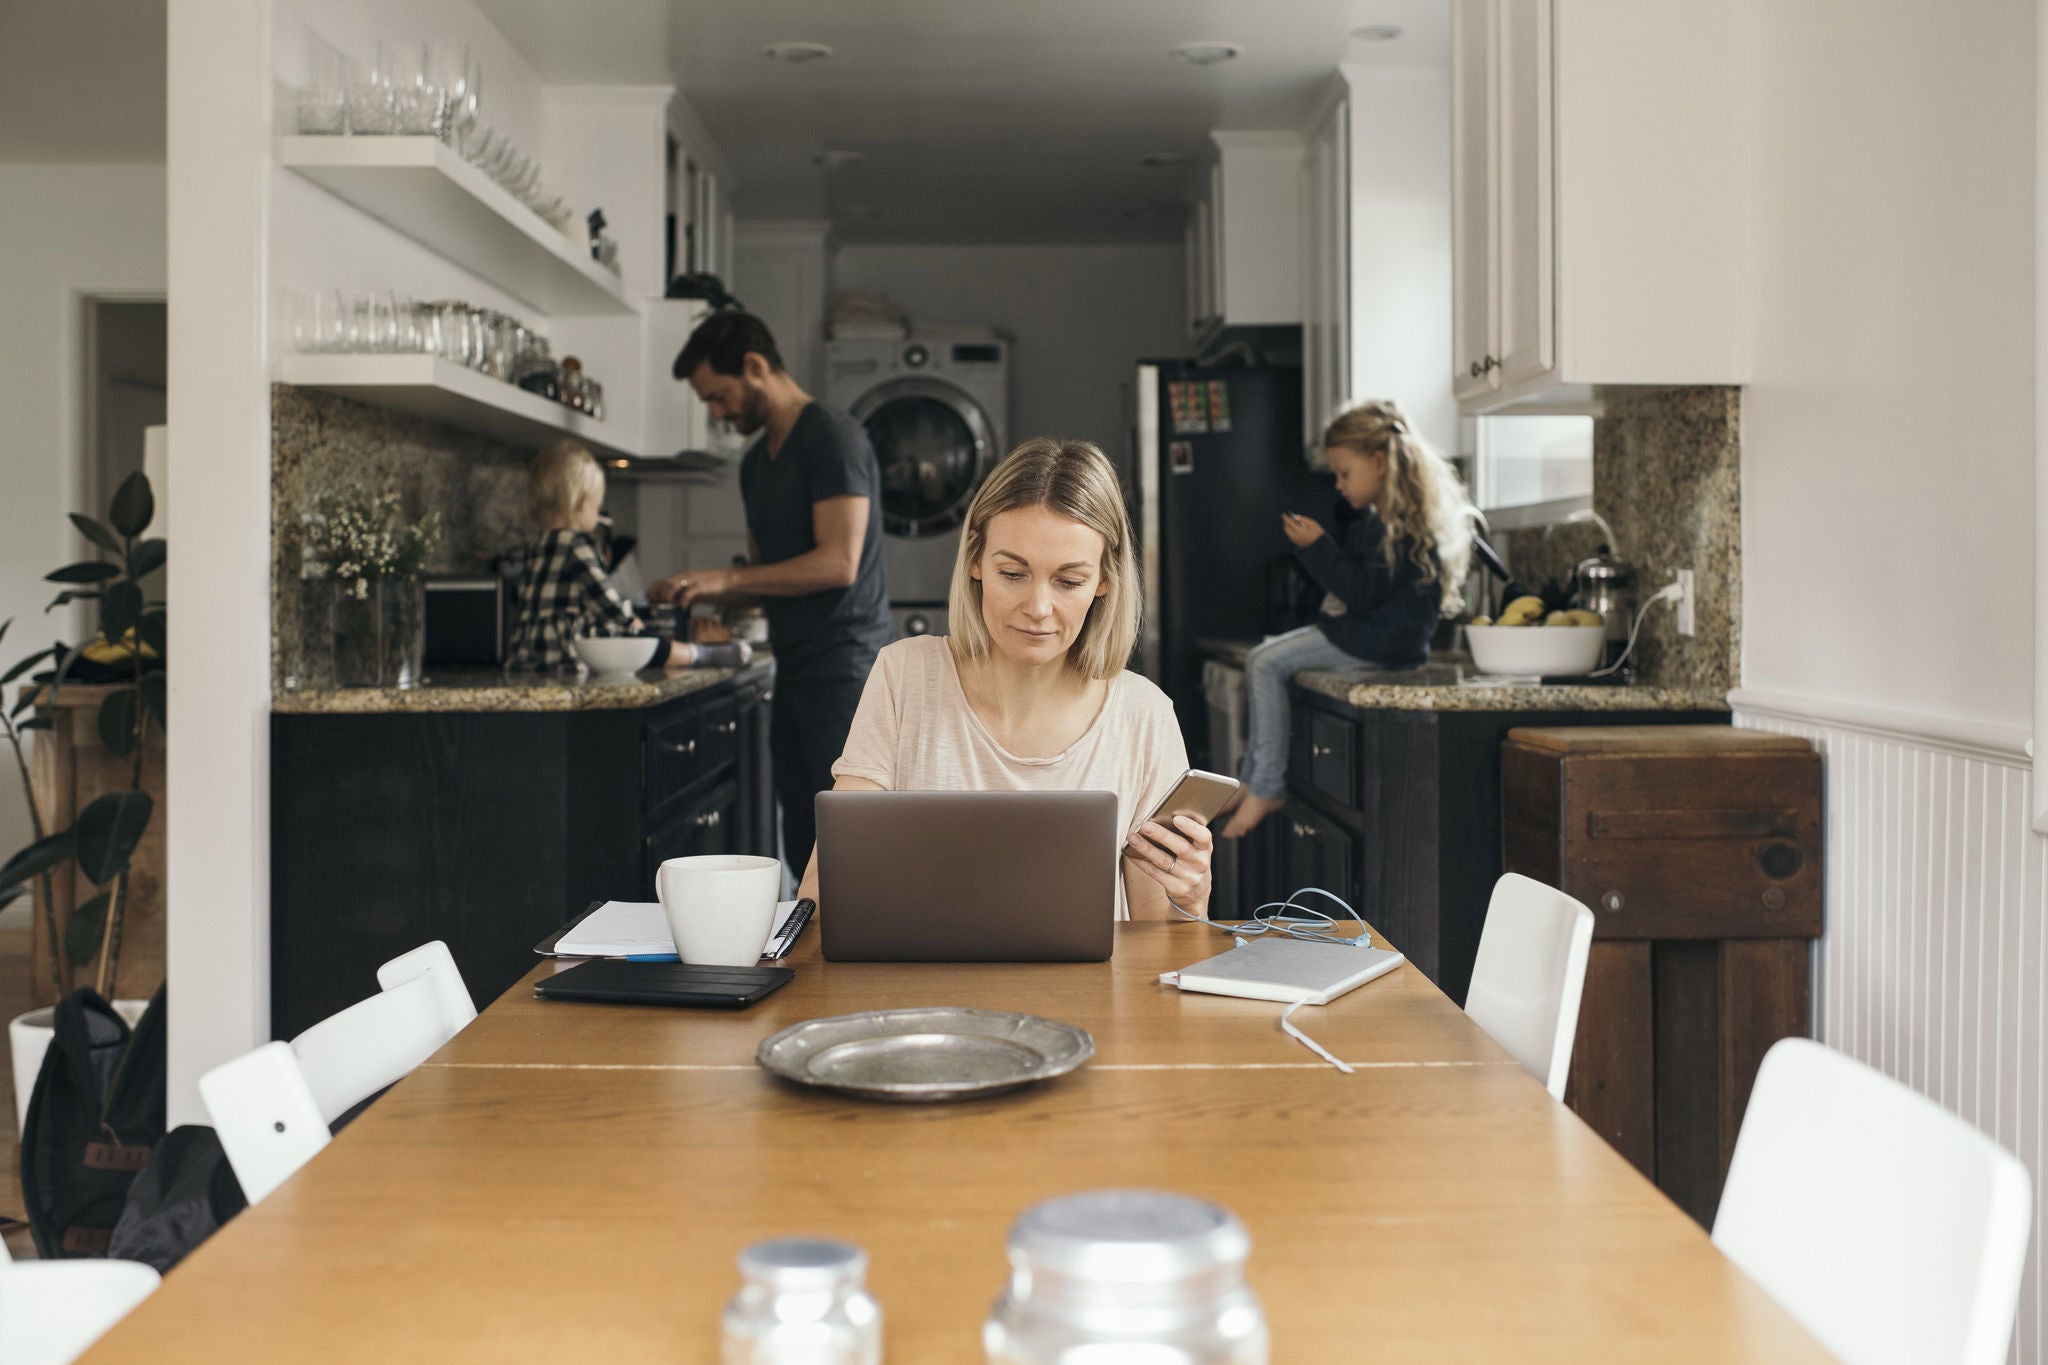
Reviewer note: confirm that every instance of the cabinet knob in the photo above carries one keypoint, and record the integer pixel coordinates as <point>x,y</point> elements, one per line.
<point>1476,371</point>
<point>728,727</point>
<point>708,820</point>
<point>1611,902</point>
<point>1773,898</point>
<point>684,747</point>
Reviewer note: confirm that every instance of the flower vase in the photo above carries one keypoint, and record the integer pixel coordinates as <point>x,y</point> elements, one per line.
<point>377,633</point>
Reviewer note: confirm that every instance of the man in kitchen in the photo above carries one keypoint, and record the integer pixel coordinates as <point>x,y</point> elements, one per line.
<point>814,540</point>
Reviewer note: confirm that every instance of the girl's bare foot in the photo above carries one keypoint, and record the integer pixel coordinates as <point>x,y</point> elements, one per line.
<point>1249,812</point>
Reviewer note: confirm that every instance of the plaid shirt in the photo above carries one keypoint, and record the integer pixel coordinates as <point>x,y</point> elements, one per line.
<point>563,593</point>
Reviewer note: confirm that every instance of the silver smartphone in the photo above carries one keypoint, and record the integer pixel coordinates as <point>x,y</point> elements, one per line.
<point>1198,795</point>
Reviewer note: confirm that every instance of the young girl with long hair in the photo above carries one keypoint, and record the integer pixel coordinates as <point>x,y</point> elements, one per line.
<point>1400,567</point>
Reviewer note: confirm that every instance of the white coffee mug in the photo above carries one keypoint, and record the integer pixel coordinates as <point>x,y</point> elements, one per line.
<point>719,906</point>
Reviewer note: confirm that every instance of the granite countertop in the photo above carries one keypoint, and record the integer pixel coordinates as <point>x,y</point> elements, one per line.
<point>491,689</point>
<point>1435,687</point>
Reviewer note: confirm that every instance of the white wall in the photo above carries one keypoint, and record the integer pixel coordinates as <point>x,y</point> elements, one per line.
<point>67,233</point>
<point>1401,247</point>
<point>1888,530</point>
<point>1887,437</point>
<point>1079,318</point>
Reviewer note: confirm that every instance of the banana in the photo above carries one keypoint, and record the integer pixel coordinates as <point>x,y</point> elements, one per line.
<point>1523,611</point>
<point>1581,617</point>
<point>1558,618</point>
<point>1482,620</point>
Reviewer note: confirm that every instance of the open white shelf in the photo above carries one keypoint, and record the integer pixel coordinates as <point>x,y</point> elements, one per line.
<point>457,396</point>
<point>420,186</point>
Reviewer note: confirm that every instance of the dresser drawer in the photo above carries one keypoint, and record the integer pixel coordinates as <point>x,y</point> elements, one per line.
<point>681,752</point>
<point>1324,755</point>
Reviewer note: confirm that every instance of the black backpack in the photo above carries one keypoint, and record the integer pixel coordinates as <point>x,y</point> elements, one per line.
<point>183,1196</point>
<point>96,1114</point>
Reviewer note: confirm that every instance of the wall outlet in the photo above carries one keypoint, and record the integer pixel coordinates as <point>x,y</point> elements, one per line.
<point>1685,603</point>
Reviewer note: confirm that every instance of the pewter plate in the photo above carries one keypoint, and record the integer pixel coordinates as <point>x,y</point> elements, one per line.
<point>941,1052</point>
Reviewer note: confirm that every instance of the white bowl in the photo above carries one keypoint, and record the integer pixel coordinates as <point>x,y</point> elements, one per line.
<point>614,655</point>
<point>1547,651</point>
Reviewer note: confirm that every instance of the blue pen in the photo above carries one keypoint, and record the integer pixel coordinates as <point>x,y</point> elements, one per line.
<point>652,957</point>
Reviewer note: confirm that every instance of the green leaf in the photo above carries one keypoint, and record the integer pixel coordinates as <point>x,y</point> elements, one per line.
<point>85,928</point>
<point>74,595</point>
<point>85,571</point>
<point>22,666</point>
<point>40,856</point>
<point>117,720</point>
<point>120,609</point>
<point>146,558</point>
<point>155,698</point>
<point>96,533</point>
<point>23,702</point>
<point>11,895</point>
<point>36,723</point>
<point>133,505</point>
<point>107,832</point>
<point>3,627</point>
<point>152,630</point>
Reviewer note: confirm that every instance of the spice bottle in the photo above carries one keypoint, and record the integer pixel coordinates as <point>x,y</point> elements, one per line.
<point>1111,1274</point>
<point>802,1301</point>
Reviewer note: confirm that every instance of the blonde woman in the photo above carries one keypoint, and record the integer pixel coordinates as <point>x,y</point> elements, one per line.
<point>1401,566</point>
<point>1030,691</point>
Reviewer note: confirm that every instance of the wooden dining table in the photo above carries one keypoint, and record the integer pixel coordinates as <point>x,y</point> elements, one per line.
<point>568,1182</point>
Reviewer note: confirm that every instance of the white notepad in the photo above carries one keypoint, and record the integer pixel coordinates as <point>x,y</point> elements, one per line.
<point>1286,969</point>
<point>627,928</point>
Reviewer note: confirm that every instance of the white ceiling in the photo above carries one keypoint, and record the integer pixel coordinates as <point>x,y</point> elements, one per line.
<point>81,80</point>
<point>980,121</point>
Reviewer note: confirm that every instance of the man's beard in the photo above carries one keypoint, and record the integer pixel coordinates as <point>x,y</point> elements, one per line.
<point>753,414</point>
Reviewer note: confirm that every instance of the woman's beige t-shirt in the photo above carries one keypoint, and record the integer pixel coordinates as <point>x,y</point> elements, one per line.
<point>914,731</point>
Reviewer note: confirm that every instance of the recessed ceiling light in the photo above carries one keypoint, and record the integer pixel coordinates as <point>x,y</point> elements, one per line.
<point>836,157</point>
<point>1377,33</point>
<point>1207,52</point>
<point>796,54</point>
<point>1163,160</point>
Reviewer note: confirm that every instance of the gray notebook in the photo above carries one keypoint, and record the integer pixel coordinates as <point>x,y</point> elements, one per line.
<point>1286,969</point>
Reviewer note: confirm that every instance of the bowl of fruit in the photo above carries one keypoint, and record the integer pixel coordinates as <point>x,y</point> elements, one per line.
<point>1530,638</point>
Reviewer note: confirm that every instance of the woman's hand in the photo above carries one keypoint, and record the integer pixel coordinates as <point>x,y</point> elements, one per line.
<point>1176,857</point>
<point>1301,532</point>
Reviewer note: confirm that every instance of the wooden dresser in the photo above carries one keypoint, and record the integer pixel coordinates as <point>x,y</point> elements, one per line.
<point>1698,848</point>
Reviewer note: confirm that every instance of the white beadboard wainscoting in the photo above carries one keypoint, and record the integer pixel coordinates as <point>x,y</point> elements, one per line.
<point>1934,960</point>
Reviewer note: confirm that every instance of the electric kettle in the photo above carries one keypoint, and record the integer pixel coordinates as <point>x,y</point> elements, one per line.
<point>1607,584</point>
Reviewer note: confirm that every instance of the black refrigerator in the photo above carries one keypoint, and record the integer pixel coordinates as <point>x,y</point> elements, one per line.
<point>1218,456</point>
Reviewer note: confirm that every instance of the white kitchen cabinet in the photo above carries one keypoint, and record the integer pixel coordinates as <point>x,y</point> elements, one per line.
<point>1596,226</point>
<point>1326,300</point>
<point>1245,238</point>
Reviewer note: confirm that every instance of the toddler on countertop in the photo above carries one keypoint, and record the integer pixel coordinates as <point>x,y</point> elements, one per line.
<point>563,588</point>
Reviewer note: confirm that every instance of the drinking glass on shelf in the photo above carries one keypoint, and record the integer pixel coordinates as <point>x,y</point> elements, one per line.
<point>371,106</point>
<point>447,74</point>
<point>415,101</point>
<point>323,105</point>
<point>317,319</point>
<point>469,109</point>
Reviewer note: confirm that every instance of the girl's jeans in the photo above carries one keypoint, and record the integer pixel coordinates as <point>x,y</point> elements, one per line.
<point>1267,672</point>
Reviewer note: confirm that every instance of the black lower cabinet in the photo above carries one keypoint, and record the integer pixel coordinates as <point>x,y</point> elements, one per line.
<point>1398,811</point>
<point>488,829</point>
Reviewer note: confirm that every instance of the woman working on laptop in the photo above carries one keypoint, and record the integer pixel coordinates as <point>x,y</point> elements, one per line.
<point>1030,691</point>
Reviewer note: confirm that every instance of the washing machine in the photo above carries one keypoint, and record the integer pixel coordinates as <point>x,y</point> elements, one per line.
<point>936,406</point>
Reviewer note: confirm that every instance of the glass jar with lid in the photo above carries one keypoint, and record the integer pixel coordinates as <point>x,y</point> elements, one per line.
<point>802,1301</point>
<point>1127,1275</point>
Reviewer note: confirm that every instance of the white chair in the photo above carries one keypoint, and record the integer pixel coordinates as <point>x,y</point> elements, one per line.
<point>51,1311</point>
<point>272,1106</point>
<point>1529,974</point>
<point>1890,1228</point>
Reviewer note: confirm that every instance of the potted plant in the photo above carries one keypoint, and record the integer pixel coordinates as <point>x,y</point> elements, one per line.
<point>83,941</point>
<point>373,560</point>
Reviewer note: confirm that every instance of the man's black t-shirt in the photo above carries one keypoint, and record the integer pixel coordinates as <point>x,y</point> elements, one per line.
<point>836,633</point>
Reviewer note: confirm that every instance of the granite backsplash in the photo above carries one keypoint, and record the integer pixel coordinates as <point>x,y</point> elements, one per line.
<point>321,445</point>
<point>1667,466</point>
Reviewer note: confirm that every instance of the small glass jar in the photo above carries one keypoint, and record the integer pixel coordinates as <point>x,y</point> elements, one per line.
<point>1127,1275</point>
<point>802,1301</point>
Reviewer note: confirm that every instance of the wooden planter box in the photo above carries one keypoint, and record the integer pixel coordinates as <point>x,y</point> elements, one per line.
<point>70,767</point>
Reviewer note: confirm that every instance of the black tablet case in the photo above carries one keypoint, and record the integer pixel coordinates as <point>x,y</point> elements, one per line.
<point>614,981</point>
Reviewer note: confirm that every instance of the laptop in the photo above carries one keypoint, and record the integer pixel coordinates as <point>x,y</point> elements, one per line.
<point>967,876</point>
